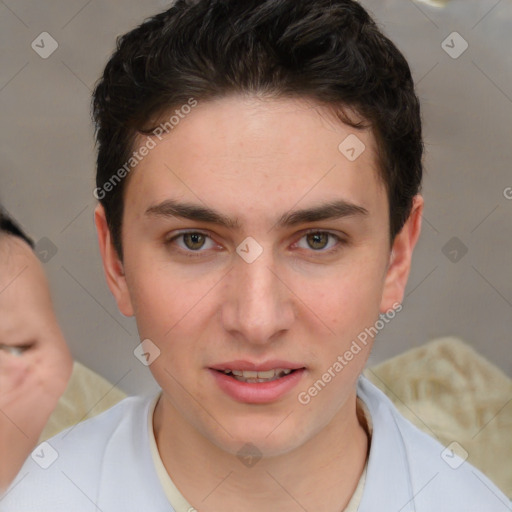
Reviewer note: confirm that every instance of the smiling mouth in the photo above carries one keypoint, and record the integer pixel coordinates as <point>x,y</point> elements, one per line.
<point>252,376</point>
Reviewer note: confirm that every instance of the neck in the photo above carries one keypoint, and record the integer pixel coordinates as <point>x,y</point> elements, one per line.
<point>320,475</point>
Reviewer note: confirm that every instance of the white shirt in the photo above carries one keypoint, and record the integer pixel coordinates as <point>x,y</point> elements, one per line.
<point>105,464</point>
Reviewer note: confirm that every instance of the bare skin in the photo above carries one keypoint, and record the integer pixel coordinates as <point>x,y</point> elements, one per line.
<point>35,363</point>
<point>202,304</point>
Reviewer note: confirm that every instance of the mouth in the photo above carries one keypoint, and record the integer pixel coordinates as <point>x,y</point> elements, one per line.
<point>252,376</point>
<point>254,383</point>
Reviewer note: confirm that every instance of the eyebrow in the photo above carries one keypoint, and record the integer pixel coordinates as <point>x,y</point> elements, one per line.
<point>327,211</point>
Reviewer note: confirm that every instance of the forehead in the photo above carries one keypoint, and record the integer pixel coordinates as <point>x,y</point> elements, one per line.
<point>259,152</point>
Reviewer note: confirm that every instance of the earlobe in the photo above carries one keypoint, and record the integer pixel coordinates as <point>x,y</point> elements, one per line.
<point>112,265</point>
<point>400,258</point>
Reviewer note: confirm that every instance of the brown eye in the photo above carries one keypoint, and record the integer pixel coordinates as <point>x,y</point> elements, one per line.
<point>192,244</point>
<point>321,242</point>
<point>194,241</point>
<point>318,240</point>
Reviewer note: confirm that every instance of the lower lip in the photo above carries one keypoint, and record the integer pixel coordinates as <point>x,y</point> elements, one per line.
<point>257,392</point>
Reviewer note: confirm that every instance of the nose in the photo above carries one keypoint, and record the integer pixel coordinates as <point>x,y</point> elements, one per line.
<point>258,305</point>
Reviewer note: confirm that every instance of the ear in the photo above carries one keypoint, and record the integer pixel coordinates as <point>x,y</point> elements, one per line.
<point>400,258</point>
<point>112,265</point>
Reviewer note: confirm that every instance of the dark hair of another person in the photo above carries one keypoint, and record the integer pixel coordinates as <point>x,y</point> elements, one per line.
<point>8,225</point>
<point>328,51</point>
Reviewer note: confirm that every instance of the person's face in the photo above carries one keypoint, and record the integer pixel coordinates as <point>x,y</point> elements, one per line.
<point>32,382</point>
<point>199,297</point>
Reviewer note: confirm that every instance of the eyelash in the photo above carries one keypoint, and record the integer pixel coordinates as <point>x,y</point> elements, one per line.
<point>196,254</point>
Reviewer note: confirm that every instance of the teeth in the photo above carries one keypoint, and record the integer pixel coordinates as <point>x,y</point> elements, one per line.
<point>253,376</point>
<point>266,375</point>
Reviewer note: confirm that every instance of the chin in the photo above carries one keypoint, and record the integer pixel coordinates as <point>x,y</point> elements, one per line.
<point>262,439</point>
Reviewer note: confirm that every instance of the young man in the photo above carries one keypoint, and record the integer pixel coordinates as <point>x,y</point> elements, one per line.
<point>35,362</point>
<point>259,165</point>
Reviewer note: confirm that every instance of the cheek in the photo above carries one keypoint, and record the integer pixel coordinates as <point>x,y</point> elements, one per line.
<point>170,310</point>
<point>13,373</point>
<point>348,303</point>
<point>350,300</point>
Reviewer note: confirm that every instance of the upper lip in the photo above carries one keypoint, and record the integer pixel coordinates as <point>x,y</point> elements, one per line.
<point>257,367</point>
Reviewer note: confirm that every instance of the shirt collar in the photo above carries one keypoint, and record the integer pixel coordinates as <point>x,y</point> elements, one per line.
<point>388,483</point>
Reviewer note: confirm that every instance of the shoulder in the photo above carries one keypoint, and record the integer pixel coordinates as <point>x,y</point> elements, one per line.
<point>80,465</point>
<point>430,475</point>
<point>94,435</point>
